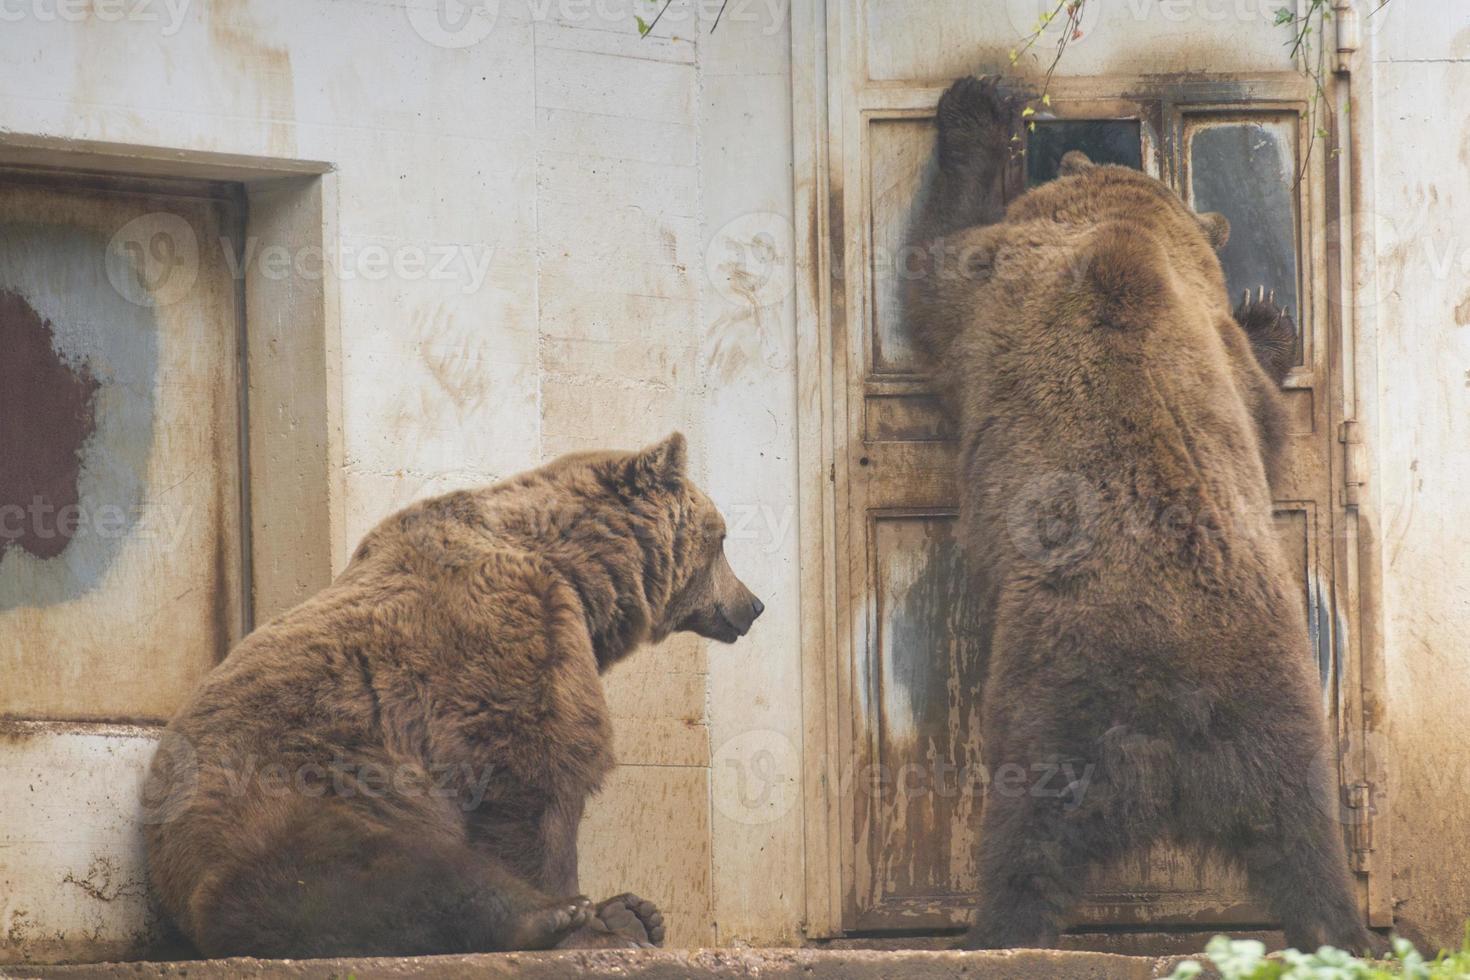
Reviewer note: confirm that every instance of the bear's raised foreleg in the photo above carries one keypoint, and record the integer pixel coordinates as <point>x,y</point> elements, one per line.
<point>943,259</point>
<point>975,123</point>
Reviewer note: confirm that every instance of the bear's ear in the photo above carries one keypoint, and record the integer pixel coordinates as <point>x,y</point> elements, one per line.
<point>1074,162</point>
<point>1216,228</point>
<point>660,464</point>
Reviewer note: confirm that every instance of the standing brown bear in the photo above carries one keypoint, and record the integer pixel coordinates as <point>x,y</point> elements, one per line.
<point>399,764</point>
<point>1116,439</point>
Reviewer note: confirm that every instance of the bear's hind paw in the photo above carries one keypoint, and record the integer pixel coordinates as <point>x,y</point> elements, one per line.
<point>545,927</point>
<point>633,918</point>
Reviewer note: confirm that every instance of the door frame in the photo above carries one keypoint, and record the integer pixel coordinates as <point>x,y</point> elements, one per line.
<point>819,116</point>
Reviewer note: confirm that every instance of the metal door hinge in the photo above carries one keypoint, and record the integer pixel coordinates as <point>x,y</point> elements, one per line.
<point>1354,461</point>
<point>1349,32</point>
<point>1360,824</point>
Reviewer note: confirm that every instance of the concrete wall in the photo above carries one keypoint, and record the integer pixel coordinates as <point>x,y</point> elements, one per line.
<point>616,209</point>
<point>1420,201</point>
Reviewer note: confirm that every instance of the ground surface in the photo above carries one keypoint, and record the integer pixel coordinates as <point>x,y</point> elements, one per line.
<point>768,964</point>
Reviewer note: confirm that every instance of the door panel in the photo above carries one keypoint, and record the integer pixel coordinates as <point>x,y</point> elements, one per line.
<point>121,579</point>
<point>927,739</point>
<point>899,152</point>
<point>909,631</point>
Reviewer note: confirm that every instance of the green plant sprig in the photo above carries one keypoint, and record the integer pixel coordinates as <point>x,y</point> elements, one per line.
<point>1071,31</point>
<point>1246,959</point>
<point>646,26</point>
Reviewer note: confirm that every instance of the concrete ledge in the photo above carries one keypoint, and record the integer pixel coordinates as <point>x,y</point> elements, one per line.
<point>768,964</point>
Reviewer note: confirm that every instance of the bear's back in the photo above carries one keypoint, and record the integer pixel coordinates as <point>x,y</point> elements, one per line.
<point>1095,374</point>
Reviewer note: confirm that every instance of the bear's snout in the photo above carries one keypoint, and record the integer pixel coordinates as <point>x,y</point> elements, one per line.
<point>748,614</point>
<point>742,614</point>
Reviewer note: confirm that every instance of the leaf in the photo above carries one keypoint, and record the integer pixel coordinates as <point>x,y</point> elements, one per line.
<point>643,26</point>
<point>1283,16</point>
<point>1028,111</point>
<point>1046,98</point>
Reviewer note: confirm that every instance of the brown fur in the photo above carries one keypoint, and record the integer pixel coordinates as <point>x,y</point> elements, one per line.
<point>1146,636</point>
<point>399,764</point>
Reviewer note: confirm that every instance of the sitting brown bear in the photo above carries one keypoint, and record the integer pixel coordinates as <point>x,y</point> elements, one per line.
<point>399,764</point>
<point>1116,436</point>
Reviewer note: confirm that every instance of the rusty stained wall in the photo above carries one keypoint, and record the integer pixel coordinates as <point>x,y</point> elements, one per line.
<point>1419,200</point>
<point>571,260</point>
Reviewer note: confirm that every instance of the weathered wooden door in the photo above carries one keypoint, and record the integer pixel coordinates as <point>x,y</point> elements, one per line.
<point>907,641</point>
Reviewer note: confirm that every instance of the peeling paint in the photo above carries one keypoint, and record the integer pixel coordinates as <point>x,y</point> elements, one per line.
<point>47,410</point>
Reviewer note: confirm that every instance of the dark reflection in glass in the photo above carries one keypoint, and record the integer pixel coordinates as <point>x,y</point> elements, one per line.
<point>1245,171</point>
<point>1103,140</point>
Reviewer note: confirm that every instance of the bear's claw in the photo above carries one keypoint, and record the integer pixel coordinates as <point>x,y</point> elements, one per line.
<point>1270,330</point>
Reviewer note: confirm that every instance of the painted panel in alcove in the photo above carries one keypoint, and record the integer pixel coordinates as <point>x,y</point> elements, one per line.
<point>120,578</point>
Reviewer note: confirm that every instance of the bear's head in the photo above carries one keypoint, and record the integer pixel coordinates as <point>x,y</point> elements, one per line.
<point>1214,225</point>
<point>704,595</point>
